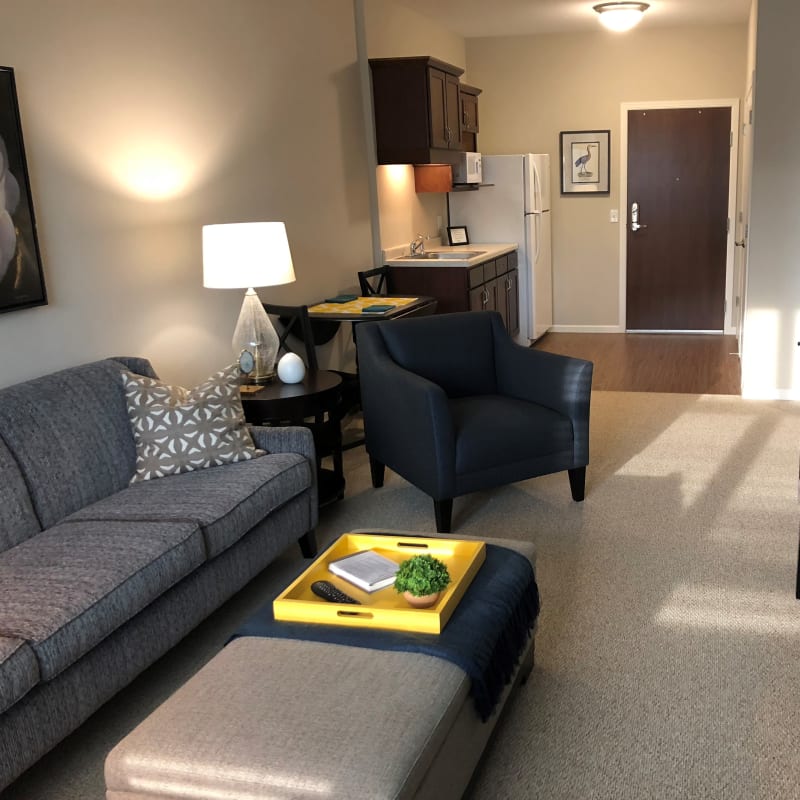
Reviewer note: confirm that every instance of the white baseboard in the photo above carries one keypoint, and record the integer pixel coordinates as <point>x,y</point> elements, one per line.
<point>587,329</point>
<point>769,393</point>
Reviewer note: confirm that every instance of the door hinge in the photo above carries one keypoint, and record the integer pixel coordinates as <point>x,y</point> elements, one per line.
<point>728,226</point>
<point>730,142</point>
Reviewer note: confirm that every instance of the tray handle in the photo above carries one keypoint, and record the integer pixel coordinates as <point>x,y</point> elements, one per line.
<point>359,614</point>
<point>413,545</point>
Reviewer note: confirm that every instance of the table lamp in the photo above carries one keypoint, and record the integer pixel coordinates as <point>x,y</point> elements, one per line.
<point>244,255</point>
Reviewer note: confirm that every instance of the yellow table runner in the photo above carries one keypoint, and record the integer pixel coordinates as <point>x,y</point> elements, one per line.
<point>357,306</point>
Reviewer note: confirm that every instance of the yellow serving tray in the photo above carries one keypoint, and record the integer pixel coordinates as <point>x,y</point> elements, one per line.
<point>384,608</point>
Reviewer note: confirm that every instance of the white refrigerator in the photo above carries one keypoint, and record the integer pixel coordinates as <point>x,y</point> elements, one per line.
<point>513,205</point>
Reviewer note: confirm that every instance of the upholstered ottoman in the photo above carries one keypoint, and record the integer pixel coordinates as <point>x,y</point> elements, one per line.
<point>281,718</point>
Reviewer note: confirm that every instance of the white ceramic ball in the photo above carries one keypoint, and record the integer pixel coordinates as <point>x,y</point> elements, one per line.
<point>291,368</point>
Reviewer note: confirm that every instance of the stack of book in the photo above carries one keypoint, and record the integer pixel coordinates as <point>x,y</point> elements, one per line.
<point>368,570</point>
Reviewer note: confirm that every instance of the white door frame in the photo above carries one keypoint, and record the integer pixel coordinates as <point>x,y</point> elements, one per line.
<point>733,104</point>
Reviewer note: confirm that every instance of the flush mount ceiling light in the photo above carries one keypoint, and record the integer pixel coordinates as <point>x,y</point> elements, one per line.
<point>621,16</point>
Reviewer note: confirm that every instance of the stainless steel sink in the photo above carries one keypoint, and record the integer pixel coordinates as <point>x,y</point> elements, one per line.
<point>461,255</point>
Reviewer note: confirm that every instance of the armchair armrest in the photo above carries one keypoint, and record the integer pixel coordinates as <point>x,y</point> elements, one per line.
<point>407,422</point>
<point>559,382</point>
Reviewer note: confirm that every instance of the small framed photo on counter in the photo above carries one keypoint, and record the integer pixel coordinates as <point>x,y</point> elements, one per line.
<point>457,234</point>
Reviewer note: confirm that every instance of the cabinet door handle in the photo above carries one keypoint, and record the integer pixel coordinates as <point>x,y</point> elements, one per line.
<point>447,132</point>
<point>485,297</point>
<point>508,284</point>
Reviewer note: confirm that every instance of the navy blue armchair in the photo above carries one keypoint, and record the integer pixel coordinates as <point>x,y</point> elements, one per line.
<point>453,405</point>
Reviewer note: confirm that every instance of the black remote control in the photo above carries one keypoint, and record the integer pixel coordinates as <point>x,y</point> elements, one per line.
<point>327,591</point>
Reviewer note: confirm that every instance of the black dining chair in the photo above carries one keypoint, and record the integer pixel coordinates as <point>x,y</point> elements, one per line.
<point>374,282</point>
<point>294,321</point>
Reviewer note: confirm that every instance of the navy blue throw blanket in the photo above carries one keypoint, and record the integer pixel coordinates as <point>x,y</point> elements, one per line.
<point>485,635</point>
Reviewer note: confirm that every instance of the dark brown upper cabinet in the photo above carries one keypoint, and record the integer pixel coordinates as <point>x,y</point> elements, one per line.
<point>468,97</point>
<point>418,110</point>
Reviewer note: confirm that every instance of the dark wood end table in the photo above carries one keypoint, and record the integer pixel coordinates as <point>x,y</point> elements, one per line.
<point>312,403</point>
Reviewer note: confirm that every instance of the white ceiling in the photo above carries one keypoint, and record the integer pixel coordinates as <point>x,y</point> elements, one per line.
<point>519,17</point>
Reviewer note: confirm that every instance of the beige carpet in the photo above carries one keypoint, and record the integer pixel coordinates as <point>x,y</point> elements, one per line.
<point>668,651</point>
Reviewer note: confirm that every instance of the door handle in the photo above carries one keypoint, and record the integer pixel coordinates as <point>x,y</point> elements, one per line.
<point>635,218</point>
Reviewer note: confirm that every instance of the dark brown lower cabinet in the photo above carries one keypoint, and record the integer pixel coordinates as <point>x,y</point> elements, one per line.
<point>492,285</point>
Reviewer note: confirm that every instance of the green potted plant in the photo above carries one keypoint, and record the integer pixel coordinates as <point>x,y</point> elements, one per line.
<point>421,579</point>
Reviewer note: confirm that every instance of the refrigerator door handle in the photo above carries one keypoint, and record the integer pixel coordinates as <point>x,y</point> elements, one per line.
<point>538,224</point>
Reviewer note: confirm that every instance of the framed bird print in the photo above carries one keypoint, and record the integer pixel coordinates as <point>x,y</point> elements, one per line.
<point>585,157</point>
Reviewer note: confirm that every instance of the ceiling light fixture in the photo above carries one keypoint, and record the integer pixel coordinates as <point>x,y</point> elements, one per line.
<point>621,16</point>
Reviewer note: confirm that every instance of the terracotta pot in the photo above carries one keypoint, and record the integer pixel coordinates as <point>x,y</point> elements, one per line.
<point>426,601</point>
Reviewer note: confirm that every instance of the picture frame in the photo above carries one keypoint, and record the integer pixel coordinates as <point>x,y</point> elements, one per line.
<point>457,234</point>
<point>21,276</point>
<point>585,162</point>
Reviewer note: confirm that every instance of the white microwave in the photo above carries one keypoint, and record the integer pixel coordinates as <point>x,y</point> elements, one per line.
<point>468,168</point>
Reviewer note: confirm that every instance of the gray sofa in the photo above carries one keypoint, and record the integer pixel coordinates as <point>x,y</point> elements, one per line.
<point>98,579</point>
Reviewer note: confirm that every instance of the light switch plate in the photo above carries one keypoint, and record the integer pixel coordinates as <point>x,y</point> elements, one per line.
<point>613,215</point>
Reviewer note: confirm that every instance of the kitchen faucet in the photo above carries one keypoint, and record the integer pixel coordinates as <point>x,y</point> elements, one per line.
<point>418,245</point>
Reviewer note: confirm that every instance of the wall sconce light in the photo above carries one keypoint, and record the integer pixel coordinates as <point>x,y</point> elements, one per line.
<point>621,16</point>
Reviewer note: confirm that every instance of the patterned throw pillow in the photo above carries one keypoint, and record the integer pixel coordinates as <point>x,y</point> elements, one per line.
<point>181,430</point>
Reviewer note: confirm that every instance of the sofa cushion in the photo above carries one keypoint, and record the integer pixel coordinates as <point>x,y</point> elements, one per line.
<point>226,502</point>
<point>181,430</point>
<point>19,671</point>
<point>67,588</point>
<point>70,435</point>
<point>17,519</point>
<point>492,430</point>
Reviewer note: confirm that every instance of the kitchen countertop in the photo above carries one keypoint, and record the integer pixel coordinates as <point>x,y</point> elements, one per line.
<point>453,256</point>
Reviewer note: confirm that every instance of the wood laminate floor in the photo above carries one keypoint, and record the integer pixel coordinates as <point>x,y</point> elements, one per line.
<point>640,362</point>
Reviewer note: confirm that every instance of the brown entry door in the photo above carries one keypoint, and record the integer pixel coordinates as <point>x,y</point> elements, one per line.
<point>678,172</point>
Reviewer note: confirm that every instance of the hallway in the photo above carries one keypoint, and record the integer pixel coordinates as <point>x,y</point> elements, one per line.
<point>639,362</point>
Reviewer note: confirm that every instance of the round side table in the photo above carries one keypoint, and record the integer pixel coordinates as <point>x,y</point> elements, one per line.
<point>313,404</point>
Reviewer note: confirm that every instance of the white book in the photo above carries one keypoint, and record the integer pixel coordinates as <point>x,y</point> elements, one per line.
<point>368,570</point>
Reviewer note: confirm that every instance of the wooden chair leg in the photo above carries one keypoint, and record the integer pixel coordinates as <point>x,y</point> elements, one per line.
<point>377,470</point>
<point>308,544</point>
<point>443,509</point>
<point>577,483</point>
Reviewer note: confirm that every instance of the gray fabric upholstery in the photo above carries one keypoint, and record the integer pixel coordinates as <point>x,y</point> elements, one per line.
<point>96,601</point>
<point>17,518</point>
<point>69,587</point>
<point>225,502</point>
<point>70,434</point>
<point>248,739</point>
<point>19,671</point>
<point>54,708</point>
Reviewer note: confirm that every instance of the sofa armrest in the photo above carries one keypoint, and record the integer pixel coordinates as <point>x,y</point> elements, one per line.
<point>290,439</point>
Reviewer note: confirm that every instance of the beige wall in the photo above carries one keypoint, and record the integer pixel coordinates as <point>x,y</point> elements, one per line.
<point>535,86</point>
<point>770,362</point>
<point>393,31</point>
<point>236,111</point>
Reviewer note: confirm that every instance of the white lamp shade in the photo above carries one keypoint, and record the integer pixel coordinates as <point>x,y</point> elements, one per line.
<point>242,255</point>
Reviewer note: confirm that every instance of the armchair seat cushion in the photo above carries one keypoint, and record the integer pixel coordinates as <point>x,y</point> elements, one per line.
<point>19,671</point>
<point>492,430</point>
<point>69,587</point>
<point>226,502</point>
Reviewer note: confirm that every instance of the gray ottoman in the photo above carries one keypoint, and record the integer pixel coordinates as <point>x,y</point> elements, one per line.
<point>280,719</point>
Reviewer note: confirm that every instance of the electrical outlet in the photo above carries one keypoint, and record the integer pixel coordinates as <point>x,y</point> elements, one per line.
<point>439,225</point>
<point>613,215</point>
